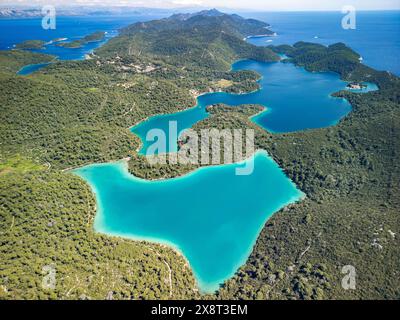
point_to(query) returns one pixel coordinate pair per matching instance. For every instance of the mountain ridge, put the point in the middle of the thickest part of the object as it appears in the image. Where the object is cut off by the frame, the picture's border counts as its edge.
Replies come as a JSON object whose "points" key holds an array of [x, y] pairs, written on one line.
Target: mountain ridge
{"points": [[219, 21], [207, 39]]}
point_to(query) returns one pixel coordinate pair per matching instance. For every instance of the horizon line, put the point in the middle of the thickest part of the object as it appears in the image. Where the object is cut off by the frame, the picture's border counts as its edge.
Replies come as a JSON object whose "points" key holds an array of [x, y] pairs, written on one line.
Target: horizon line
{"points": [[21, 6]]}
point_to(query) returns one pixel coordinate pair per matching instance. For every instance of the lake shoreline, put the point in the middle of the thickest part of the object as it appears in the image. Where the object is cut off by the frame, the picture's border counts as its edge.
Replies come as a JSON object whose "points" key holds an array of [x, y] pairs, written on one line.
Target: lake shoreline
{"points": [[204, 286], [176, 247]]}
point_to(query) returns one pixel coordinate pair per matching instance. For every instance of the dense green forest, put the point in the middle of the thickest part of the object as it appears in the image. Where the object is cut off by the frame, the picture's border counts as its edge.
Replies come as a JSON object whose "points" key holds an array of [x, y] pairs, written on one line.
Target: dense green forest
{"points": [[46, 220], [73, 113], [13, 60], [200, 42], [30, 44]]}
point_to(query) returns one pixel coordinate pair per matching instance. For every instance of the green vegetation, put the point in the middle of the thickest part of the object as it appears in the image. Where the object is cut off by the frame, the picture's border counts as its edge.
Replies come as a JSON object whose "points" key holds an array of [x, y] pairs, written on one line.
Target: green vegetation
{"points": [[337, 58], [351, 179], [18, 164], [215, 20], [70, 114], [96, 36], [222, 116], [351, 176], [76, 112], [30, 44], [72, 45], [14, 60], [46, 220], [201, 43]]}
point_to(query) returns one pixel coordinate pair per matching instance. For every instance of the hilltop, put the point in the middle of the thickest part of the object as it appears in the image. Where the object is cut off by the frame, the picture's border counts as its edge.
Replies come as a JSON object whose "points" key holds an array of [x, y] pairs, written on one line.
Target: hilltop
{"points": [[206, 39], [219, 21]]}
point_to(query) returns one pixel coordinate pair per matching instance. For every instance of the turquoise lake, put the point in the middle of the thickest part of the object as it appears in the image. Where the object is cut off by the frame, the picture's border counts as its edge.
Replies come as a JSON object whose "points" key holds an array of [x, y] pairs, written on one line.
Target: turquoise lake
{"points": [[30, 68], [212, 216], [295, 100]]}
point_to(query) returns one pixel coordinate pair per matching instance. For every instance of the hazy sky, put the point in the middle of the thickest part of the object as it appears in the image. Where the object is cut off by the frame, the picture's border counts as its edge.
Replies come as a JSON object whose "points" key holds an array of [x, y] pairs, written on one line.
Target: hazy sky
{"points": [[243, 4]]}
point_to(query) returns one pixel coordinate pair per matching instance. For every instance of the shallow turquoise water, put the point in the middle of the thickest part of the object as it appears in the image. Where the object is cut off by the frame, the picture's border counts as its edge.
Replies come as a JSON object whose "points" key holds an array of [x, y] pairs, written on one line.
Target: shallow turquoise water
{"points": [[30, 68], [295, 100], [212, 215]]}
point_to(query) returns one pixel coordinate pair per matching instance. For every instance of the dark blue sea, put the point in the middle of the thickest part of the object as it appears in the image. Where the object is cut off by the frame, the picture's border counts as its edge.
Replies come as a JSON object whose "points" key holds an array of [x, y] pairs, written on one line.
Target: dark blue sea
{"points": [[14, 31], [376, 37]]}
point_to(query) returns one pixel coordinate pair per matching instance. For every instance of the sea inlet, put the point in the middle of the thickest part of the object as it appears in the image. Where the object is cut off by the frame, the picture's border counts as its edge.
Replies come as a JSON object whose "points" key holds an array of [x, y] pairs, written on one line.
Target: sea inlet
{"points": [[213, 216]]}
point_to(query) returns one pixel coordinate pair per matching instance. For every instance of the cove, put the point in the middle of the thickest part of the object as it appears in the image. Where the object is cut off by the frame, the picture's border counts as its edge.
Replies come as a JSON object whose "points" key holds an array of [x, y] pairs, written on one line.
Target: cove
{"points": [[30, 68], [212, 216], [295, 100]]}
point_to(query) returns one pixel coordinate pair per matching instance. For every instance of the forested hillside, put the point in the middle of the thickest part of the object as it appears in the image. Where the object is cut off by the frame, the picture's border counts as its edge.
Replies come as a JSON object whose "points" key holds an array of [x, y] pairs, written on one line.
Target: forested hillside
{"points": [[69, 114], [13, 60], [72, 113], [199, 42], [351, 175]]}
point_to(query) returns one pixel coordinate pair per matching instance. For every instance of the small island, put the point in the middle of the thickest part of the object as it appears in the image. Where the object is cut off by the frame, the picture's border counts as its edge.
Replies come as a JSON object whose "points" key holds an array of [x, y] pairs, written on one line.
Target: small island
{"points": [[30, 44], [93, 37], [73, 44]]}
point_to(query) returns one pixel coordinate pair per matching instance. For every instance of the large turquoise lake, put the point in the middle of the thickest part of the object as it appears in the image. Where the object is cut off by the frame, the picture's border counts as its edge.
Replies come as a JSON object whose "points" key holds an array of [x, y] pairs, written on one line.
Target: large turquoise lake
{"points": [[295, 100], [212, 215]]}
